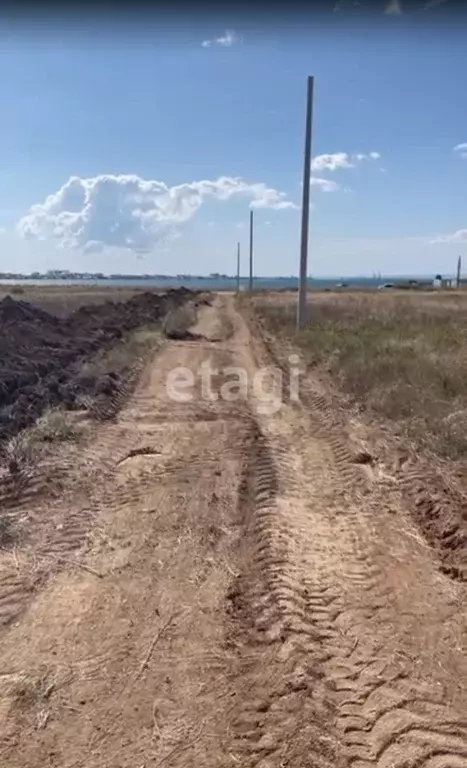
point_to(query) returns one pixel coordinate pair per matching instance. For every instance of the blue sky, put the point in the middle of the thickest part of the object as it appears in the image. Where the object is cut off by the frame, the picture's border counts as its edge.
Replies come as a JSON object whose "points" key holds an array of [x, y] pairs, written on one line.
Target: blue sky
{"points": [[168, 143]]}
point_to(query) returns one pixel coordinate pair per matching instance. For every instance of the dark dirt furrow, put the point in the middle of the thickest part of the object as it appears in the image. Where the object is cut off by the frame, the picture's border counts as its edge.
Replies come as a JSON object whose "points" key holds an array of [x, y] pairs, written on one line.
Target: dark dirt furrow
{"points": [[42, 355]]}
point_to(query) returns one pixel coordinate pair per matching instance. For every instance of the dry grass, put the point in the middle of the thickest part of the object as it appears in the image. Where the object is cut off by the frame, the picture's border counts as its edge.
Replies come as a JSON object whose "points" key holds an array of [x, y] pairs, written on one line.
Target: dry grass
{"points": [[126, 358], [28, 689], [125, 353], [54, 426], [400, 356]]}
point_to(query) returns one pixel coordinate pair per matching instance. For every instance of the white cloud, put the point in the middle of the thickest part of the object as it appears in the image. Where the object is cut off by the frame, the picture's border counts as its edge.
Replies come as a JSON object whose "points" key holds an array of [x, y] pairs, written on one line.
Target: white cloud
{"points": [[332, 162], [340, 160], [226, 40], [129, 212], [457, 237], [325, 184], [433, 4], [394, 8], [462, 150]]}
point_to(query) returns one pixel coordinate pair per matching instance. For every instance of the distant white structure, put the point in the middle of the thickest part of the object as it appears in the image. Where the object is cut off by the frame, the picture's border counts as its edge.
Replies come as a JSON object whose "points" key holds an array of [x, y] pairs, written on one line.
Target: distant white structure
{"points": [[443, 282]]}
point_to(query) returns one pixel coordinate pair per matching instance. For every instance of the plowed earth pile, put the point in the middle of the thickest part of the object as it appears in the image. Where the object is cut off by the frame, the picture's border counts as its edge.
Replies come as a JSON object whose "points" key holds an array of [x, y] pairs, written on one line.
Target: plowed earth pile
{"points": [[41, 355]]}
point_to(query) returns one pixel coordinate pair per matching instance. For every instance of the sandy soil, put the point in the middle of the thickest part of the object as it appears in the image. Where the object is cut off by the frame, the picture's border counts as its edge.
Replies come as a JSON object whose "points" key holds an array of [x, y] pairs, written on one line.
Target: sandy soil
{"points": [[207, 584]]}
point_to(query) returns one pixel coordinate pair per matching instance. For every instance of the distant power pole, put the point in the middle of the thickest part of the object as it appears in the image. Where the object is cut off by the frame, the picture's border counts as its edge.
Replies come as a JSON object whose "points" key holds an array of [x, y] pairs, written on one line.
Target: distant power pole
{"points": [[459, 267], [302, 287], [250, 285], [238, 267]]}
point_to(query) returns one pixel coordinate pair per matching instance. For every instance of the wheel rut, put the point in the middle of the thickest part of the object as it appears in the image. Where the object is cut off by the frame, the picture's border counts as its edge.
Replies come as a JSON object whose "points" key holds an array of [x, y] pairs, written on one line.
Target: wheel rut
{"points": [[324, 602], [339, 641], [287, 709]]}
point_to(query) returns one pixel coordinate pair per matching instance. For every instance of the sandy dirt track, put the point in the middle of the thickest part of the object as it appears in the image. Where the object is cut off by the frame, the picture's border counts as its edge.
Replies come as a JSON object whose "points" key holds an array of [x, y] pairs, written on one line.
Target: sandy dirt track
{"points": [[209, 585]]}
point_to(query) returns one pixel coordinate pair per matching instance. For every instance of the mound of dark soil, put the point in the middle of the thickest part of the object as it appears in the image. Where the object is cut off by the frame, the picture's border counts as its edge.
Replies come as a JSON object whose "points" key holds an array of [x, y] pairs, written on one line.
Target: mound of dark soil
{"points": [[41, 355]]}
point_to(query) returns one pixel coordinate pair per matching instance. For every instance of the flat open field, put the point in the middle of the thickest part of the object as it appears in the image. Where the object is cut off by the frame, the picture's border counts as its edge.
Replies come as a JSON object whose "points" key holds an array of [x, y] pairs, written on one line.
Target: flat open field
{"points": [[229, 575], [401, 356]]}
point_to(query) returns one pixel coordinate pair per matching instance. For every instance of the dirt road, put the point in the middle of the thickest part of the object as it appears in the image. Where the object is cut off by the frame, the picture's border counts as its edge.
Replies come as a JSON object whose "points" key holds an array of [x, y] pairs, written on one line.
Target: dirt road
{"points": [[207, 584]]}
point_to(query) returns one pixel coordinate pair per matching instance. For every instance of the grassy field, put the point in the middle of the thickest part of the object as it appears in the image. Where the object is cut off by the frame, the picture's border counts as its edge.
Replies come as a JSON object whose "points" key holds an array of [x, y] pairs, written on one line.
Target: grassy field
{"points": [[400, 356]]}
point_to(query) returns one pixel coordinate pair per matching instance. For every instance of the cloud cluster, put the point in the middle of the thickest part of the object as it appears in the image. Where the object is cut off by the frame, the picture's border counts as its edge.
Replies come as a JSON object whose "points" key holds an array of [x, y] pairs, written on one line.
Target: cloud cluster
{"points": [[226, 40], [341, 160], [461, 150], [325, 184], [127, 211], [457, 237]]}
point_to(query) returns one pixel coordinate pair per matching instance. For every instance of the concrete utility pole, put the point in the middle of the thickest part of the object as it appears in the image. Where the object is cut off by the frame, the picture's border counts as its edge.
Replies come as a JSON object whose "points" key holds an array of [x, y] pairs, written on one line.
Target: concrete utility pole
{"points": [[459, 267], [250, 284], [302, 287], [238, 267]]}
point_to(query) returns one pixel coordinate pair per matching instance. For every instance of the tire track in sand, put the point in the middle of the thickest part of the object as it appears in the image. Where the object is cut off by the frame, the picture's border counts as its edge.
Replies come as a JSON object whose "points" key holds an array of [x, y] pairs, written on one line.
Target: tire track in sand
{"points": [[324, 669], [62, 490], [322, 596], [284, 709]]}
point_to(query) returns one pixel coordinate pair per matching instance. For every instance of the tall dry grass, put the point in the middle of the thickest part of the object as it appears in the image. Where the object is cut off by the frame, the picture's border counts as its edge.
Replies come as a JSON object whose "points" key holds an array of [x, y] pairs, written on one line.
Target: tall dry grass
{"points": [[400, 356]]}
